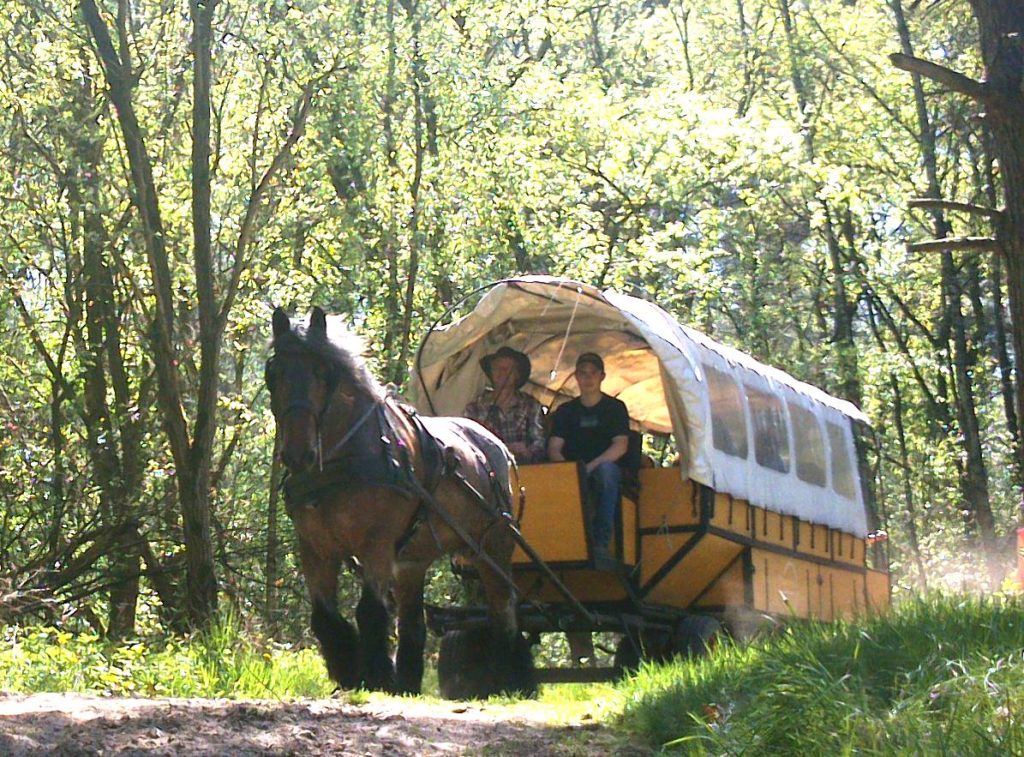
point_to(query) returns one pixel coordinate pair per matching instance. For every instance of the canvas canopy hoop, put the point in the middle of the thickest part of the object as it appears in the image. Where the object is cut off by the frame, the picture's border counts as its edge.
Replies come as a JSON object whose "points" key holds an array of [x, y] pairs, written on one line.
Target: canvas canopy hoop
{"points": [[742, 427]]}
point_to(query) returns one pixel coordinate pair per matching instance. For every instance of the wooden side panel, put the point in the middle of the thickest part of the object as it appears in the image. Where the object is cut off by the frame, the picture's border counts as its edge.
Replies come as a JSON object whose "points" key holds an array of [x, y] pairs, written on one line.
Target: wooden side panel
{"points": [[658, 549], [553, 518], [785, 585], [731, 515], [847, 548], [666, 499], [848, 594], [586, 585], [695, 572], [813, 539], [821, 593], [629, 528], [728, 590]]}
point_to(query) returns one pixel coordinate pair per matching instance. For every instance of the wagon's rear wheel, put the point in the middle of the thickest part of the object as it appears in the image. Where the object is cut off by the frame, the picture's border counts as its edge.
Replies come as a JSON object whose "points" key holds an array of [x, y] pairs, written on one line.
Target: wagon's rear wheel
{"points": [[696, 635], [472, 665]]}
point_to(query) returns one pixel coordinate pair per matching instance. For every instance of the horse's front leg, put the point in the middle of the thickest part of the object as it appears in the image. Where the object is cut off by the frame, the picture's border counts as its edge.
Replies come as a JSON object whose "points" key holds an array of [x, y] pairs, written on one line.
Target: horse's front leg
{"points": [[377, 672], [412, 627], [338, 639]]}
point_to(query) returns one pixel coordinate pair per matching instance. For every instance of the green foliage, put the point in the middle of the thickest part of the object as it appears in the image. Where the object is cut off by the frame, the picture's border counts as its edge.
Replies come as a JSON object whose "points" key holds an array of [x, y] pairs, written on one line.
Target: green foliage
{"points": [[939, 675], [746, 178], [219, 662]]}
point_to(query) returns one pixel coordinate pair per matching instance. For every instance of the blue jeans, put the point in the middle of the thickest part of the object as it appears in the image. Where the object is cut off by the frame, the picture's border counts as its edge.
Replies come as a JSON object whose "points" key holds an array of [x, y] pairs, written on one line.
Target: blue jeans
{"points": [[604, 485]]}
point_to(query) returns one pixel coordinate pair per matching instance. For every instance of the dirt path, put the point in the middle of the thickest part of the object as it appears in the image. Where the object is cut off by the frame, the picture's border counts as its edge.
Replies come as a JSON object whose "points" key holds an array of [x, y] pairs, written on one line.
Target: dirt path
{"points": [[67, 724]]}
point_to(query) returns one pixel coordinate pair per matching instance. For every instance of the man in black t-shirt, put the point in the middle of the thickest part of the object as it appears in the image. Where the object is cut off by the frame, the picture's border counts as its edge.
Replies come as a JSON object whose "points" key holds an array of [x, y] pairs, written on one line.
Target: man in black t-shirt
{"points": [[594, 429]]}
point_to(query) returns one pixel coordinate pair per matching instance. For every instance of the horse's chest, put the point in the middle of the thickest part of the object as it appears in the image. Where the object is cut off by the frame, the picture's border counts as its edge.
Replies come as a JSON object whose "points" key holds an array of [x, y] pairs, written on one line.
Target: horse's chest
{"points": [[353, 523]]}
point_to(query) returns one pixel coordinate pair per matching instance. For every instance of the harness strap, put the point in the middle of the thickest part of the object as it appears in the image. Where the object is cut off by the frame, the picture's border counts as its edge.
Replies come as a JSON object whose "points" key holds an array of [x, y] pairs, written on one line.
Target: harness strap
{"points": [[435, 467], [352, 430]]}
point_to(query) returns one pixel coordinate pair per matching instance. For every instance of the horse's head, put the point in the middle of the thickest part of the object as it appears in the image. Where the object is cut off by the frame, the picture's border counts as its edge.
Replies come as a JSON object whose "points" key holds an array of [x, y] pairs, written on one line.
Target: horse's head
{"points": [[301, 379]]}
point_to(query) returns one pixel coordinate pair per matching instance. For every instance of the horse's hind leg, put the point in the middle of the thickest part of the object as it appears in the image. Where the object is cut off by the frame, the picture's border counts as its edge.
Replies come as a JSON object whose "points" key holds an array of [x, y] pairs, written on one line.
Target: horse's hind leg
{"points": [[338, 639], [412, 627], [377, 670]]}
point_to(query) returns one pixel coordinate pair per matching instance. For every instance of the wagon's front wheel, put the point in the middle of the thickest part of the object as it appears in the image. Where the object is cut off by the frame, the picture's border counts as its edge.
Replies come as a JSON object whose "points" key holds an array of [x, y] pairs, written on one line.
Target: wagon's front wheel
{"points": [[471, 664], [627, 655]]}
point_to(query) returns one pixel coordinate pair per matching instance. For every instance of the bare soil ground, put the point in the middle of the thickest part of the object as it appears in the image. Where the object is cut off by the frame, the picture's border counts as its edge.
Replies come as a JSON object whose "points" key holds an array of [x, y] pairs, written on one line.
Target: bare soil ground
{"points": [[69, 724]]}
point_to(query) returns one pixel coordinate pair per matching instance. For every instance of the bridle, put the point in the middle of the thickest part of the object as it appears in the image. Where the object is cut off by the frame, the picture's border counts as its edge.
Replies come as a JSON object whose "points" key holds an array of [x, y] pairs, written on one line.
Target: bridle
{"points": [[299, 400]]}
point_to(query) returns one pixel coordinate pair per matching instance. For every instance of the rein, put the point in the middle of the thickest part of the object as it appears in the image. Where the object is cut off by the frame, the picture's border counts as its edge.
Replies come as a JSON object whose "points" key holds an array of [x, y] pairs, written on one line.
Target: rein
{"points": [[348, 434]]}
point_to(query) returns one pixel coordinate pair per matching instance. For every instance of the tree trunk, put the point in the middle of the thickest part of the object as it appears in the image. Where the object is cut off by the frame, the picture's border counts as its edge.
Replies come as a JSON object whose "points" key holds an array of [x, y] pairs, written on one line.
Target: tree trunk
{"points": [[419, 85], [193, 493], [270, 586], [908, 490], [195, 483], [974, 474], [1001, 29]]}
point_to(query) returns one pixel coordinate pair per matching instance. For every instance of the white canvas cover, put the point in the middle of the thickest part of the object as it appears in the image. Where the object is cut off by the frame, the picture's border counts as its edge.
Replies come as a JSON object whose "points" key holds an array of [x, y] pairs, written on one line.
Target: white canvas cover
{"points": [[742, 427]]}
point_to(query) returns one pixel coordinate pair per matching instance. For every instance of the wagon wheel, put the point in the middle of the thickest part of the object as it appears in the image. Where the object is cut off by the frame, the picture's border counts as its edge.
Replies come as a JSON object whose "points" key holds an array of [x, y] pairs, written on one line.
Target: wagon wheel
{"points": [[627, 655], [470, 665], [696, 635], [648, 645]]}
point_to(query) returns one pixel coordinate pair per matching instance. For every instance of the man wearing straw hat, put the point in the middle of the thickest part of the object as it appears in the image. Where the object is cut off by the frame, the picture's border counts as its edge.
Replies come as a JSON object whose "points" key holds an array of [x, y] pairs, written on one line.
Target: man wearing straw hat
{"points": [[513, 415]]}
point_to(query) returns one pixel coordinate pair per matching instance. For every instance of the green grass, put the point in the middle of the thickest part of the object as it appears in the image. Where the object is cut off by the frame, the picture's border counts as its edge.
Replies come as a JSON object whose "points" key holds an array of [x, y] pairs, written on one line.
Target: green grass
{"points": [[937, 676], [220, 662]]}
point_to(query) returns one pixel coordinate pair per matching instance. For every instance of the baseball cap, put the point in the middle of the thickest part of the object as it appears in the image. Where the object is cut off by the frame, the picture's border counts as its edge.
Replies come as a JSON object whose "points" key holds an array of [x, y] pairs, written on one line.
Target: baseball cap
{"points": [[590, 357]]}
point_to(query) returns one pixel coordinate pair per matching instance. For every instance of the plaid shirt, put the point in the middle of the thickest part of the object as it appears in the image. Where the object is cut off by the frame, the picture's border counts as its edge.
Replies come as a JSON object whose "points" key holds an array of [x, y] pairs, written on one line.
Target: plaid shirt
{"points": [[521, 422]]}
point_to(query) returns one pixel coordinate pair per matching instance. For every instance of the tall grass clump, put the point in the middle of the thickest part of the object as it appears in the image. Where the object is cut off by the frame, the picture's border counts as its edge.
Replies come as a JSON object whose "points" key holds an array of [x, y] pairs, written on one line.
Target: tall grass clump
{"points": [[938, 675], [221, 661]]}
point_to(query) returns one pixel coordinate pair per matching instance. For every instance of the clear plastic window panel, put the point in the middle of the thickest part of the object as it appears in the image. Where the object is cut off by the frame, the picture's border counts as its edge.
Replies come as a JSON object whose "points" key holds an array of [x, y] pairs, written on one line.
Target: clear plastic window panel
{"points": [[842, 467], [809, 446], [728, 425], [771, 437]]}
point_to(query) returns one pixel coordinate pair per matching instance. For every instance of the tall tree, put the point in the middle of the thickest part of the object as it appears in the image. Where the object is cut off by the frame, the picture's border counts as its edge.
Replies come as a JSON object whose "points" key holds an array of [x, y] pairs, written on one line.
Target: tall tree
{"points": [[1000, 97], [191, 444]]}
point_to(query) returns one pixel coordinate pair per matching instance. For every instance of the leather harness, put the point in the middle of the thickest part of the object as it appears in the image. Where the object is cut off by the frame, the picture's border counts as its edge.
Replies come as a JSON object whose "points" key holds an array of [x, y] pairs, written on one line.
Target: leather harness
{"points": [[392, 468]]}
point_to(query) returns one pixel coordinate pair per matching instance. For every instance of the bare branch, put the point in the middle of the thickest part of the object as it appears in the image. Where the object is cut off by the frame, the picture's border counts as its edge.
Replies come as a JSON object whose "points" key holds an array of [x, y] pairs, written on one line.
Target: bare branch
{"points": [[947, 77], [928, 203], [954, 243]]}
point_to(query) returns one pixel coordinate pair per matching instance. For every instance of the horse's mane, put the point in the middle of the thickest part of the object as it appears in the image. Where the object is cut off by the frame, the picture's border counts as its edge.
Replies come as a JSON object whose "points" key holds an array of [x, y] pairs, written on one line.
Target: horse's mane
{"points": [[341, 349]]}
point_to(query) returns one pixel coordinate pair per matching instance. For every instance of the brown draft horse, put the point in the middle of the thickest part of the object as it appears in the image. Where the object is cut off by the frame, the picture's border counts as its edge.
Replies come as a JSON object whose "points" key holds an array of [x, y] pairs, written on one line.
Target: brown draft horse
{"points": [[372, 485]]}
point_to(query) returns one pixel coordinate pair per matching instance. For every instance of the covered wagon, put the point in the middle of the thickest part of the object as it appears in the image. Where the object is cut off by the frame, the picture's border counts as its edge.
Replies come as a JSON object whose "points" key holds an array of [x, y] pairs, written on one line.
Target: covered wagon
{"points": [[756, 506]]}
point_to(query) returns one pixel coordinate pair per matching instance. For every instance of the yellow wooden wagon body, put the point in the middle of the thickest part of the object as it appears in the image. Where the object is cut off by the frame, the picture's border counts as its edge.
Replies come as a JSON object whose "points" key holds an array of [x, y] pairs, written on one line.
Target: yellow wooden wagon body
{"points": [[684, 546]]}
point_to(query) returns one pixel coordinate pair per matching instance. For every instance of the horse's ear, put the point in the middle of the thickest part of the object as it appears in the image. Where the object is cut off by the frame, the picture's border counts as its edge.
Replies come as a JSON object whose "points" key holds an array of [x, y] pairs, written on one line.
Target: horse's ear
{"points": [[281, 323], [318, 322]]}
